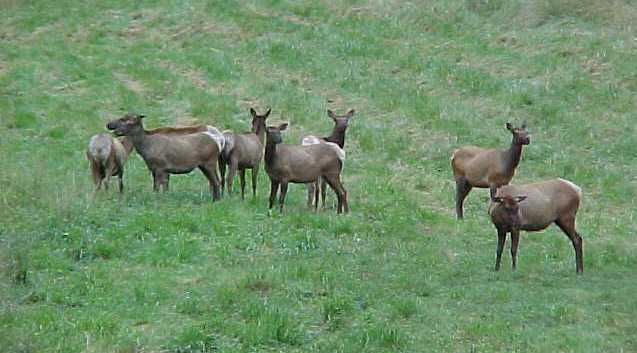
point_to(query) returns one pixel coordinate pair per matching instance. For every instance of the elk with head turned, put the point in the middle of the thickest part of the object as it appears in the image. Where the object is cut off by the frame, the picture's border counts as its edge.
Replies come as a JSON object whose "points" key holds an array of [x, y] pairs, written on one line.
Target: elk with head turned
{"points": [[486, 168], [533, 207], [167, 154], [341, 122], [302, 164], [243, 151]]}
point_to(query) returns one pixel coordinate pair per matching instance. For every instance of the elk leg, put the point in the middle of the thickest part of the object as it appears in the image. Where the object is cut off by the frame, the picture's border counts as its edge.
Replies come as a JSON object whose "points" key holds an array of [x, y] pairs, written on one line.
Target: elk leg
{"points": [[311, 187], [567, 225], [515, 238], [323, 186], [284, 190], [121, 182], [493, 190], [231, 172], [502, 236], [165, 182], [155, 182], [316, 196], [462, 190], [341, 194], [213, 180], [274, 187], [222, 171], [255, 174], [242, 178]]}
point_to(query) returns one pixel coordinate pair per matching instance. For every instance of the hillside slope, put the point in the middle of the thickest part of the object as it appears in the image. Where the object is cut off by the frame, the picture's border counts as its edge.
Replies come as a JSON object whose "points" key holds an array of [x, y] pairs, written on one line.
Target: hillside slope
{"points": [[174, 272]]}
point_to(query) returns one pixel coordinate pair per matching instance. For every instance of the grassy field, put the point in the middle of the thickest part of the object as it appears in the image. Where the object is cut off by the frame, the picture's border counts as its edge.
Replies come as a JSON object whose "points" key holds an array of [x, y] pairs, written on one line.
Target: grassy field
{"points": [[175, 272]]}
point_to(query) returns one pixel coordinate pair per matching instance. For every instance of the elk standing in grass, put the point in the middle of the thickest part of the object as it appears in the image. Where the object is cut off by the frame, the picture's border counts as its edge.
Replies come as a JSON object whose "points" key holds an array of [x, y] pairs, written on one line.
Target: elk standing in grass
{"points": [[338, 137], [107, 156], [167, 154], [243, 151], [302, 164], [533, 207], [486, 168]]}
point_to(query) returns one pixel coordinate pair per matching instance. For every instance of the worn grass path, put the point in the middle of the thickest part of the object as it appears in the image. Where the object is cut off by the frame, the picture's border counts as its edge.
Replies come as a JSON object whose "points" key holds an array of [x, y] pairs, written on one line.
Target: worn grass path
{"points": [[174, 272]]}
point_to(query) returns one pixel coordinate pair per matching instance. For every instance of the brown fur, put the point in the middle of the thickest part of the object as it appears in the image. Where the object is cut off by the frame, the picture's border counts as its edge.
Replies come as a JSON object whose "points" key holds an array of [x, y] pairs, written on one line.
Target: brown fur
{"points": [[301, 164], [167, 154], [245, 152], [337, 136], [486, 168], [533, 207], [107, 156], [182, 130]]}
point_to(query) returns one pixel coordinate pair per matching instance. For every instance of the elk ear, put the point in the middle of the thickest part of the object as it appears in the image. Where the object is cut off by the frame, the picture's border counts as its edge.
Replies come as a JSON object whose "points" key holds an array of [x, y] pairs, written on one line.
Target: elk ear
{"points": [[509, 126], [267, 113], [331, 114], [524, 125], [520, 198], [253, 112], [283, 126], [350, 113]]}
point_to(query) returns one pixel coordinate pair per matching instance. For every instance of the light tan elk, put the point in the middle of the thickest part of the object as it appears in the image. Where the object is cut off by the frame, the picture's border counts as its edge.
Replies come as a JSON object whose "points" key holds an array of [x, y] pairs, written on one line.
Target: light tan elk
{"points": [[243, 151], [533, 207], [486, 168], [341, 123], [107, 156], [167, 154], [302, 164]]}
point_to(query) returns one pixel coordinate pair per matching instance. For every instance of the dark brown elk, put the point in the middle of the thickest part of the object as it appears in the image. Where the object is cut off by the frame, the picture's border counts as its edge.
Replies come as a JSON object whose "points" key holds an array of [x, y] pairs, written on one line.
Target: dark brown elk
{"points": [[243, 151], [107, 156], [167, 154], [533, 207], [302, 164], [341, 122], [486, 168]]}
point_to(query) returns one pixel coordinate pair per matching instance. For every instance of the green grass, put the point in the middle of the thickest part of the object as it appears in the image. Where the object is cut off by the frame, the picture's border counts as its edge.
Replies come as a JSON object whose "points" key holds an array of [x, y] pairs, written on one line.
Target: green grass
{"points": [[176, 273]]}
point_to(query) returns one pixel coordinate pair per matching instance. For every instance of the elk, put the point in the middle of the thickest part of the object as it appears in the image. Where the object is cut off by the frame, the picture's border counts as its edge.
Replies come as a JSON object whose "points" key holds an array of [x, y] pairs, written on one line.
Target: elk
{"points": [[486, 168], [107, 156], [533, 207], [243, 151], [302, 164], [338, 137], [167, 154]]}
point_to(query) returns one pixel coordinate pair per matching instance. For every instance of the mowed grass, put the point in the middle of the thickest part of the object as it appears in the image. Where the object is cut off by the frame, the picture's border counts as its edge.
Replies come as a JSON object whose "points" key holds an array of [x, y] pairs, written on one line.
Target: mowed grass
{"points": [[175, 272]]}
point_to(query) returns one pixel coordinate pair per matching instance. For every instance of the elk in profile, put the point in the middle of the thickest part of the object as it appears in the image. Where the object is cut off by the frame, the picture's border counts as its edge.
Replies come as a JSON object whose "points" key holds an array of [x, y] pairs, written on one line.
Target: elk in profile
{"points": [[302, 164], [167, 154], [107, 156], [486, 168], [533, 207], [243, 151], [338, 137]]}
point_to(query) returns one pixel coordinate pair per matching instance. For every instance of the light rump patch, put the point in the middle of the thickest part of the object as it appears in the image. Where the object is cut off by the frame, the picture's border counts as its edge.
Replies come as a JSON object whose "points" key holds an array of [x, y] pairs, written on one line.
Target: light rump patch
{"points": [[310, 140], [577, 189], [217, 136], [340, 153]]}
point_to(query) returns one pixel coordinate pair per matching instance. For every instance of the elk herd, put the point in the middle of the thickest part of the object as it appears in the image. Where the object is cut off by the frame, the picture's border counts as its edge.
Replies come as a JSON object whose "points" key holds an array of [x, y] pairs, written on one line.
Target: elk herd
{"points": [[318, 162]]}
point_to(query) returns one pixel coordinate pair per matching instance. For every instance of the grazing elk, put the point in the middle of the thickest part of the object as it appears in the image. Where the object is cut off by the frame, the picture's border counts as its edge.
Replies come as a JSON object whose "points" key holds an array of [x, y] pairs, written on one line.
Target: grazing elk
{"points": [[302, 164], [338, 137], [533, 207], [243, 151], [486, 168], [107, 156], [167, 154]]}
